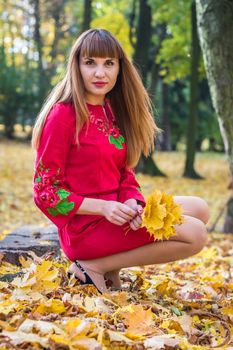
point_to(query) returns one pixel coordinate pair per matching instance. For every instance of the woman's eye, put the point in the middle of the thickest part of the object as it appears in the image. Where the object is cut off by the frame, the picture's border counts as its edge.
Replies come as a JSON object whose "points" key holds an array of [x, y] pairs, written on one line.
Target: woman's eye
{"points": [[110, 63], [89, 62]]}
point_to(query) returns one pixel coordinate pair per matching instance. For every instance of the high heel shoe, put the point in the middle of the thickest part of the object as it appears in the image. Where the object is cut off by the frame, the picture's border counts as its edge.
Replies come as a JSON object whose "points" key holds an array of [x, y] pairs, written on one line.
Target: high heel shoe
{"points": [[88, 279]]}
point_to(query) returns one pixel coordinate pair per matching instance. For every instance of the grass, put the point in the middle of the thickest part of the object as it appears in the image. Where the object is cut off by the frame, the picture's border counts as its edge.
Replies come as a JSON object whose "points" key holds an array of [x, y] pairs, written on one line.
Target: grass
{"points": [[179, 305], [17, 161]]}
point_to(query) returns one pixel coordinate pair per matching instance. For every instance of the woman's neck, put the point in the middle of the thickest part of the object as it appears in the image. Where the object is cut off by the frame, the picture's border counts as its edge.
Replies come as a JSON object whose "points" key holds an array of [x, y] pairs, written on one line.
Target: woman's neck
{"points": [[95, 100]]}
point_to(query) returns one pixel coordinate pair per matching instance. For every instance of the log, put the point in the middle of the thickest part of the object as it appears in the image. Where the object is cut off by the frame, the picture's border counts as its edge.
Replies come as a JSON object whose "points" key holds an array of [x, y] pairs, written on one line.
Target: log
{"points": [[26, 238]]}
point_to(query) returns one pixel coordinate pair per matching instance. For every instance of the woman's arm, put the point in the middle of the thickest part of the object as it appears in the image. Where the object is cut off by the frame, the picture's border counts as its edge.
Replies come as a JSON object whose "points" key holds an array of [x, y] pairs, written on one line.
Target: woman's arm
{"points": [[115, 212], [92, 206], [129, 187], [50, 191]]}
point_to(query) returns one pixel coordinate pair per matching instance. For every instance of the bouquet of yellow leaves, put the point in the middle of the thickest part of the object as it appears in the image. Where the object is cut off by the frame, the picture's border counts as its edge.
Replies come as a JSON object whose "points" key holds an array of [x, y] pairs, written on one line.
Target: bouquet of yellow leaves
{"points": [[160, 215]]}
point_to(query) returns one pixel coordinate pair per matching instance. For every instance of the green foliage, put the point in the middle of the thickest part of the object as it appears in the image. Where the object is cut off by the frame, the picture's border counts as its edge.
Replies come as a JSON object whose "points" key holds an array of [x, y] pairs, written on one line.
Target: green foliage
{"points": [[16, 94], [18, 97], [20, 76], [109, 15], [174, 56], [178, 109]]}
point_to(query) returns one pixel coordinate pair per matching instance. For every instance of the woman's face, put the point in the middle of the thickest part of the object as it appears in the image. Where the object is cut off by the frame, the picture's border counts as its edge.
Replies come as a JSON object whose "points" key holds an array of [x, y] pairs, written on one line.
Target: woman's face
{"points": [[99, 76]]}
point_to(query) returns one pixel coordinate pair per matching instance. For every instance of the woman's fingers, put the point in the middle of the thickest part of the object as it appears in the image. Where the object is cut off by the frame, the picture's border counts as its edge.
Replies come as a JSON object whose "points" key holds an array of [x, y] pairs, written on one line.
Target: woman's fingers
{"points": [[127, 213], [118, 220], [139, 209], [135, 224], [132, 226], [125, 217], [137, 220], [122, 219], [119, 213]]}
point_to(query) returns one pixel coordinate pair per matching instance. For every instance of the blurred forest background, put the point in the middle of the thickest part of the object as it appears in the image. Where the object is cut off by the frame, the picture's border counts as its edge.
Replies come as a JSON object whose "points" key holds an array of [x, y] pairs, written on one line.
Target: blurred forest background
{"points": [[36, 37], [161, 37], [183, 51]]}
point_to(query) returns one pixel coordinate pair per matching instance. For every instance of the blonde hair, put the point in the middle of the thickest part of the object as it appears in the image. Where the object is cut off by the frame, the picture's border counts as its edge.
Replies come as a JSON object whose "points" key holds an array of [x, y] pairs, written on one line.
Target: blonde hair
{"points": [[128, 98]]}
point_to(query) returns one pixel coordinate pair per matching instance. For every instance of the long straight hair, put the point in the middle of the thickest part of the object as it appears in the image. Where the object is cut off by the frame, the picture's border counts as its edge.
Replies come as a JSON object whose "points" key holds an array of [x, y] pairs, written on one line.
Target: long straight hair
{"points": [[129, 99]]}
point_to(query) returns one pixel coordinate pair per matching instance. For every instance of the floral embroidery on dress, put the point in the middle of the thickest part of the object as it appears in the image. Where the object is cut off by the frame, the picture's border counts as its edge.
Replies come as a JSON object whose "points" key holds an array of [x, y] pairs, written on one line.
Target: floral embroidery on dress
{"points": [[113, 132], [47, 189]]}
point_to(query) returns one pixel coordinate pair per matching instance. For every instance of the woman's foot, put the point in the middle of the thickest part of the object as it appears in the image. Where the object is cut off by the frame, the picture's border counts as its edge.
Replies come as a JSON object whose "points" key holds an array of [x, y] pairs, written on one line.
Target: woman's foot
{"points": [[114, 277], [96, 277]]}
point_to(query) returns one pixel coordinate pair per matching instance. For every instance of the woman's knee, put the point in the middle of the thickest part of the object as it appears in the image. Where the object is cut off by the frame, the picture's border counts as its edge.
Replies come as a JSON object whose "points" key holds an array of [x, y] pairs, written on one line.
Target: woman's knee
{"points": [[202, 209], [200, 235], [193, 232], [196, 207]]}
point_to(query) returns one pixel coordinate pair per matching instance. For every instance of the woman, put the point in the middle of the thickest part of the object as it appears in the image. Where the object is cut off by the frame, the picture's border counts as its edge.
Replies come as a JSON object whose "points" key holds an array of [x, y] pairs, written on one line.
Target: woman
{"points": [[89, 136]]}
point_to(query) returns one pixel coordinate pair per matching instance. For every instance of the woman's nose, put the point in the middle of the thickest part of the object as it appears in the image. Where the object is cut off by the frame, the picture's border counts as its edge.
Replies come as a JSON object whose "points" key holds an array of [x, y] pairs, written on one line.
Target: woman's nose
{"points": [[99, 72]]}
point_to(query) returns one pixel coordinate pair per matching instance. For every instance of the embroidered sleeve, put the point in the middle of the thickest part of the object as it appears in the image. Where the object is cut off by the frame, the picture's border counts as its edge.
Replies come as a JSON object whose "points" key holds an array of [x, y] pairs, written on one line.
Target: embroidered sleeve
{"points": [[51, 193], [129, 187]]}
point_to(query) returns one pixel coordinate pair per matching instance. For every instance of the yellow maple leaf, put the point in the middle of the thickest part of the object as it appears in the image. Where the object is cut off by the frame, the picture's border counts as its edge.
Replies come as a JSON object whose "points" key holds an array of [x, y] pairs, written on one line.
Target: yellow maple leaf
{"points": [[3, 234], [43, 327], [24, 262], [40, 277], [160, 215], [7, 306], [119, 298], [19, 337], [51, 306], [139, 321], [172, 326], [154, 212], [107, 338], [77, 335]]}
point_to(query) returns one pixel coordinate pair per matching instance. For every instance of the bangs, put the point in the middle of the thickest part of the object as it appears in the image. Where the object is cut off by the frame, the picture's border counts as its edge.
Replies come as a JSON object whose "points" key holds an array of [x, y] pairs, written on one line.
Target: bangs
{"points": [[100, 43]]}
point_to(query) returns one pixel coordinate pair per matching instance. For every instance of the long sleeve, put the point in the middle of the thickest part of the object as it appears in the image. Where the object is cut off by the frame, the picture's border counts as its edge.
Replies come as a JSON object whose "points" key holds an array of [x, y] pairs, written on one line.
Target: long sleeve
{"points": [[51, 193], [129, 187]]}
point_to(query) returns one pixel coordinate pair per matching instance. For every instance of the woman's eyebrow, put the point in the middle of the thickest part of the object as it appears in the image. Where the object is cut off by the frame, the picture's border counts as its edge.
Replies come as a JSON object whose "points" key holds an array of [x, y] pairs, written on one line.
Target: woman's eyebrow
{"points": [[92, 58]]}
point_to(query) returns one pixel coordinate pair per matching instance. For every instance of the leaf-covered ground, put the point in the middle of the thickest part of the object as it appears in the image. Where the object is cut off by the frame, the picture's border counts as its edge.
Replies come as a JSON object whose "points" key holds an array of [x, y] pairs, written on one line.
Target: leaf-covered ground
{"points": [[182, 305]]}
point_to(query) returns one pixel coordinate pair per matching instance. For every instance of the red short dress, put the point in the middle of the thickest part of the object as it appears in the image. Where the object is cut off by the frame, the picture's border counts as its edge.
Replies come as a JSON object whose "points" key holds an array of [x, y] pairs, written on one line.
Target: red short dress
{"points": [[65, 174]]}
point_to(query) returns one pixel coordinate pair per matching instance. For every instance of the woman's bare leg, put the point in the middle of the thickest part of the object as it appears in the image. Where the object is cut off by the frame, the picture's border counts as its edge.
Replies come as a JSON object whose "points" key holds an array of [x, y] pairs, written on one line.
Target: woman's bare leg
{"points": [[192, 206], [190, 239], [114, 277]]}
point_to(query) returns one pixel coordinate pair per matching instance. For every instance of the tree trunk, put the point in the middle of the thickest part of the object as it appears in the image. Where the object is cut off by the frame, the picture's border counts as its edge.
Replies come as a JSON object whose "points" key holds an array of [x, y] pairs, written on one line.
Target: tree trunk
{"points": [[165, 143], [189, 170], [154, 81], [141, 58], [141, 54], [160, 32], [87, 15], [7, 85], [9, 122], [215, 27], [56, 12], [148, 166], [39, 46], [132, 17]]}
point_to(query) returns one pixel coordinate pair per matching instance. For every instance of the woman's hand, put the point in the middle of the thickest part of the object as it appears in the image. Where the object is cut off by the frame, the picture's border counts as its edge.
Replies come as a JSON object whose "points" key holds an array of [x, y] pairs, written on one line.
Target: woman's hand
{"points": [[136, 222], [118, 213]]}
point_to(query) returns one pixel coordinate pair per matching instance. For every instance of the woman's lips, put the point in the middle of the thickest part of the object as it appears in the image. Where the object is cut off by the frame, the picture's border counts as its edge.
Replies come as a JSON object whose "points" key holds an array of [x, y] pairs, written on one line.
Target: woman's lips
{"points": [[100, 84]]}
